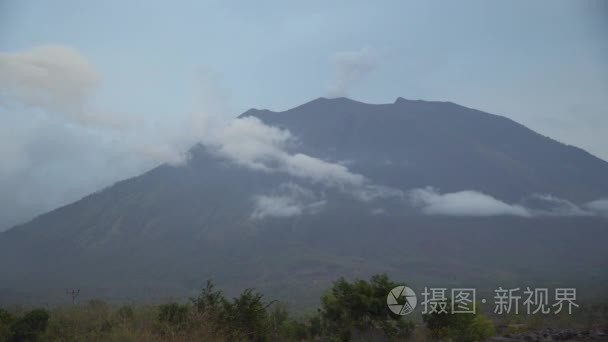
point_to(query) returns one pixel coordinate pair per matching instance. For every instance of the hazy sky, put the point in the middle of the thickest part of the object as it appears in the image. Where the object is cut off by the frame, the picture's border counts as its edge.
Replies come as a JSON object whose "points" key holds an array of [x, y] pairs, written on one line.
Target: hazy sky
{"points": [[92, 92]]}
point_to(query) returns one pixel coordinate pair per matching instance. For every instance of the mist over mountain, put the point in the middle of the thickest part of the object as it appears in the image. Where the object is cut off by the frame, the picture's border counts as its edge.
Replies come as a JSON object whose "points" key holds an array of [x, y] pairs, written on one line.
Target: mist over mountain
{"points": [[432, 192]]}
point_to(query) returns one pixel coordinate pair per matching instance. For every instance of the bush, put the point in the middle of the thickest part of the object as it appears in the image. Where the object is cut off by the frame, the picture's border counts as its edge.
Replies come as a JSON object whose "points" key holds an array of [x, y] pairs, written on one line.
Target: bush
{"points": [[6, 320], [360, 308], [126, 313], [464, 327], [30, 326], [174, 315], [481, 328]]}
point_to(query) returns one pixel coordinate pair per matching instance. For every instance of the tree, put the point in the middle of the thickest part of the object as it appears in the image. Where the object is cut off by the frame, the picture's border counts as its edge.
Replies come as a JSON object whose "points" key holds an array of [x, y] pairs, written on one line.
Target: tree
{"points": [[360, 308], [283, 327], [243, 318], [209, 301], [247, 316]]}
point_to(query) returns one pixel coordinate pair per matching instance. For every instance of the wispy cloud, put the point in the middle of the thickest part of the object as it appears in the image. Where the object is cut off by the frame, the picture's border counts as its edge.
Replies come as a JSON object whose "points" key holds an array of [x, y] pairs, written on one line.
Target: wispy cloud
{"points": [[60, 145], [288, 200], [56, 79], [550, 205], [351, 68]]}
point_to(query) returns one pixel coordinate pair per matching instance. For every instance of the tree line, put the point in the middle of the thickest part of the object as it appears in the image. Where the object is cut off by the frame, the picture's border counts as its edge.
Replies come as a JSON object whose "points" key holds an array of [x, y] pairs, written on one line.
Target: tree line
{"points": [[349, 310]]}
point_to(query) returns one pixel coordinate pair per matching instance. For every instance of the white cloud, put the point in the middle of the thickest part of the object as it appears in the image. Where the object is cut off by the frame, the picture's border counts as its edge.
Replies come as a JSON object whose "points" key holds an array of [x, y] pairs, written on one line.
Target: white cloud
{"points": [[599, 206], [474, 203], [251, 143], [463, 203], [549, 205], [288, 200], [320, 171], [350, 68]]}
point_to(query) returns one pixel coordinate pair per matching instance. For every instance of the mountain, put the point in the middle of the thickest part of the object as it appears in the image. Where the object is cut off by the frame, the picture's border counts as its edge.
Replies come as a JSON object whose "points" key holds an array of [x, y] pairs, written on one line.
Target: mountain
{"points": [[325, 191]]}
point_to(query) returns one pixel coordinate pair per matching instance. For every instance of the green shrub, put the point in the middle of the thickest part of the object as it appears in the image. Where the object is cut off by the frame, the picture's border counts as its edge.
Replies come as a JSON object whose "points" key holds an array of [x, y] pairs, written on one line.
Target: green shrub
{"points": [[360, 307], [174, 315], [465, 327], [126, 313], [29, 327], [6, 320]]}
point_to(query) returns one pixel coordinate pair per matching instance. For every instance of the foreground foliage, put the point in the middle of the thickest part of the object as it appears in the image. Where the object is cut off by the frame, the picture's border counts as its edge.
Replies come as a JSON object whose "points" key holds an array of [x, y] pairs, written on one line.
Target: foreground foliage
{"points": [[354, 310], [458, 327], [359, 308], [26, 328]]}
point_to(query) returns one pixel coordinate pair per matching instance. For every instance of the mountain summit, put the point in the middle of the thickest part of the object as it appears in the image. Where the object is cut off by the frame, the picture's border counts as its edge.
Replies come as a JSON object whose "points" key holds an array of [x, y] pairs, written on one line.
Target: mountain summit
{"points": [[431, 192]]}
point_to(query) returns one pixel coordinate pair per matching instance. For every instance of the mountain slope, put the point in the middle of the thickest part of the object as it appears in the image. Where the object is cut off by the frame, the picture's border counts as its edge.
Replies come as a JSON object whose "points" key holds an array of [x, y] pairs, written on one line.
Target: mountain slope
{"points": [[165, 232]]}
